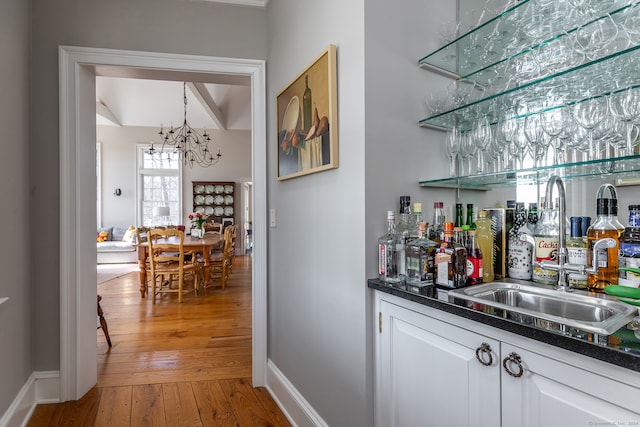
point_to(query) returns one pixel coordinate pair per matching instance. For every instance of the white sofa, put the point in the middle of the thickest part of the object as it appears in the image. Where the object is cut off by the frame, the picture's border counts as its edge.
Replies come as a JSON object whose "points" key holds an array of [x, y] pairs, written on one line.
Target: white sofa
{"points": [[115, 250]]}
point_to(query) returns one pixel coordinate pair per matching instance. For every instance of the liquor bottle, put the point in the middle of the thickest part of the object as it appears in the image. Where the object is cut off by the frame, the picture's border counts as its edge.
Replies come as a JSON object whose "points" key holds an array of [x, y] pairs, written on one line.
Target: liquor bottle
{"points": [[459, 221], [450, 261], [532, 217], [403, 225], [470, 219], [546, 238], [465, 235], [388, 252], [460, 258], [520, 251], [485, 238], [605, 225], [416, 219], [436, 229], [577, 254], [474, 260], [306, 106], [420, 256], [630, 250]]}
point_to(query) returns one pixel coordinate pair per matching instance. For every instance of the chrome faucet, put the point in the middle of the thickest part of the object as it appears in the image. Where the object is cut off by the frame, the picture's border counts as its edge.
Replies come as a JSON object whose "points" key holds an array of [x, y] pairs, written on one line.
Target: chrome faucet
{"points": [[561, 266]]}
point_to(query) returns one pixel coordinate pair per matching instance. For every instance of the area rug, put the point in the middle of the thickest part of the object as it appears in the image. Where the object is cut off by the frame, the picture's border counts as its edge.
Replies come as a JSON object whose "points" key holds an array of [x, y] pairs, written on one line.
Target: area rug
{"points": [[108, 272]]}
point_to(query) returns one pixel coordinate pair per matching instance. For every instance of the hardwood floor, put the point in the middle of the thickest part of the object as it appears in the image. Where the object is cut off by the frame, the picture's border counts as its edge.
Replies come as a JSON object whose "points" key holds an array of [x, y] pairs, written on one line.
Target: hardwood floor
{"points": [[172, 364]]}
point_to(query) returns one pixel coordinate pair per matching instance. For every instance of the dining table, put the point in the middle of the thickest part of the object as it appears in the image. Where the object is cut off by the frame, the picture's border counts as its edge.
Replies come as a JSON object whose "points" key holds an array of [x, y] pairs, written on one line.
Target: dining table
{"points": [[200, 245]]}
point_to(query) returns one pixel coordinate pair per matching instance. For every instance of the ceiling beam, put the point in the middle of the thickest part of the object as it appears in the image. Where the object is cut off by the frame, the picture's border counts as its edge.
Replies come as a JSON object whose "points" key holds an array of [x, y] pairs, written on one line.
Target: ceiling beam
{"points": [[202, 94], [104, 112]]}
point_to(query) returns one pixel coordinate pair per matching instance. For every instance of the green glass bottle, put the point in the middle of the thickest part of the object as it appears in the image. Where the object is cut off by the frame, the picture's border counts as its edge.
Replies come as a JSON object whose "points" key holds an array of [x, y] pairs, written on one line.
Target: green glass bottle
{"points": [[306, 105]]}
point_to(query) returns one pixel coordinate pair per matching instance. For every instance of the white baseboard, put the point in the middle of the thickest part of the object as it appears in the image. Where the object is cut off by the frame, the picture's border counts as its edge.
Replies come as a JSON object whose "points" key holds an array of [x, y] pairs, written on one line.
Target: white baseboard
{"points": [[41, 387], [299, 412]]}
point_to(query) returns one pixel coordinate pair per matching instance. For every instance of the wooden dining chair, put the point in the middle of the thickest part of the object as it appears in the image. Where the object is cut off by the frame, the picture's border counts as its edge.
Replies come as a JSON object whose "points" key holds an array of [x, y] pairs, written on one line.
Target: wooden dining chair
{"points": [[220, 261], [169, 263], [213, 227]]}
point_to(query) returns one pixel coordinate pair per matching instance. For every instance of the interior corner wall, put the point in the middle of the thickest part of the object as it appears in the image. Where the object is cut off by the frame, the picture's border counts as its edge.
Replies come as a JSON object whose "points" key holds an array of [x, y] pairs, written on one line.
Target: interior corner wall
{"points": [[17, 219], [318, 299], [214, 30]]}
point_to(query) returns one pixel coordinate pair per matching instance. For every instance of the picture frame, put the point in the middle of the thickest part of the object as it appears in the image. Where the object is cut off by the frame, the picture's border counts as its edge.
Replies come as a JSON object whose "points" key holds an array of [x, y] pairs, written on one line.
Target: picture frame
{"points": [[226, 222], [307, 120]]}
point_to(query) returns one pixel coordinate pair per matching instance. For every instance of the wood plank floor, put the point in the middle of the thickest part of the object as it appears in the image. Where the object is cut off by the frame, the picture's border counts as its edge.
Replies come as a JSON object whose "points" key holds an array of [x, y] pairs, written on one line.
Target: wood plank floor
{"points": [[172, 364]]}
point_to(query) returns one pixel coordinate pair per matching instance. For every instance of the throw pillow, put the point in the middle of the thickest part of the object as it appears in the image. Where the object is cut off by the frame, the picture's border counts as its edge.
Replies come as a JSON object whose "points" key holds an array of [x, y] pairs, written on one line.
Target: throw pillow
{"points": [[102, 236], [128, 235]]}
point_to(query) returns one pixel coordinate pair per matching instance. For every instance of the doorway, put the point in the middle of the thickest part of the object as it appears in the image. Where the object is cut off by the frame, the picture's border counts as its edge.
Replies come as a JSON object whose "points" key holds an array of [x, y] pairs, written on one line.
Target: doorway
{"points": [[78, 194]]}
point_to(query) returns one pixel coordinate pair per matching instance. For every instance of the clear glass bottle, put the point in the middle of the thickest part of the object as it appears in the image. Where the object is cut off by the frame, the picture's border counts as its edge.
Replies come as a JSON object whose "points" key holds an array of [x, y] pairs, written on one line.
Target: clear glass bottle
{"points": [[520, 251], [388, 252], [485, 237], [546, 236], [630, 250], [450, 261], [605, 225], [420, 259], [436, 229], [403, 225], [474, 260], [416, 219], [577, 253]]}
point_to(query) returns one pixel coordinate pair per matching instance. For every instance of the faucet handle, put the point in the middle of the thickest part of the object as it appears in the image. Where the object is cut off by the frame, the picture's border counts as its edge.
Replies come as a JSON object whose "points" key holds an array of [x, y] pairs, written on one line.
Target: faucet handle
{"points": [[598, 246]]}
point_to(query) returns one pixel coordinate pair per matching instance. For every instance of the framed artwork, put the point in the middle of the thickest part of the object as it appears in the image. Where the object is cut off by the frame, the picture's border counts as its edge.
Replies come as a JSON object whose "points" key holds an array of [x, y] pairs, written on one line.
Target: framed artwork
{"points": [[226, 222], [307, 120]]}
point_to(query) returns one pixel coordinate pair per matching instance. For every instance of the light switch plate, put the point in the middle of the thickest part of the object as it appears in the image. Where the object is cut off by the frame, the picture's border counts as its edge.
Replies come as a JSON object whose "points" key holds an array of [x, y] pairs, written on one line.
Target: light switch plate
{"points": [[272, 217]]}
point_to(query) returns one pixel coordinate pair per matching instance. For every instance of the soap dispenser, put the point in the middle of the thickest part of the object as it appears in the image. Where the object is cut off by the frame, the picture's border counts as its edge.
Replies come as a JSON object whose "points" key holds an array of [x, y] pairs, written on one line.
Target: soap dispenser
{"points": [[605, 225]]}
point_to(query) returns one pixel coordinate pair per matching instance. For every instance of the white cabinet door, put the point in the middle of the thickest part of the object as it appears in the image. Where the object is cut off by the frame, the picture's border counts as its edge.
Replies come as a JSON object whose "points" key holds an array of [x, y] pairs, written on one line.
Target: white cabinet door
{"points": [[552, 393], [428, 373]]}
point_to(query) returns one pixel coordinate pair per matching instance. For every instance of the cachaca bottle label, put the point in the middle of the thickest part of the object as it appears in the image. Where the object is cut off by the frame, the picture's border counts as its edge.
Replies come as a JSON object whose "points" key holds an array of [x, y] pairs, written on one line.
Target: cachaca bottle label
{"points": [[546, 250]]}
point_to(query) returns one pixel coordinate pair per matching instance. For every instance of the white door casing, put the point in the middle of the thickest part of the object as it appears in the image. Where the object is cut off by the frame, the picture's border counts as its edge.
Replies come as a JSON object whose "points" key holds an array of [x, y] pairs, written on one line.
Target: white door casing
{"points": [[78, 363]]}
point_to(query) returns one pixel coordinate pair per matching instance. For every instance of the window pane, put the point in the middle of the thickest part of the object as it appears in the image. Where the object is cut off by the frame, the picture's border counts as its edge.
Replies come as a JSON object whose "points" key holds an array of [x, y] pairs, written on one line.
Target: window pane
{"points": [[160, 191], [158, 160]]}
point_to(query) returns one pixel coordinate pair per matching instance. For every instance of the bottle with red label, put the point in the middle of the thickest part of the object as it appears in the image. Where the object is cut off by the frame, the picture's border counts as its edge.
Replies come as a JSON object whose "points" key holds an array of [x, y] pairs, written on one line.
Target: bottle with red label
{"points": [[474, 260], [546, 237]]}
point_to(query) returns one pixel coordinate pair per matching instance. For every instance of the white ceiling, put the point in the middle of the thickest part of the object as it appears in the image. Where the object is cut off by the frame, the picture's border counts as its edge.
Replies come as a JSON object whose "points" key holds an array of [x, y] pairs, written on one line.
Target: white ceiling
{"points": [[143, 102]]}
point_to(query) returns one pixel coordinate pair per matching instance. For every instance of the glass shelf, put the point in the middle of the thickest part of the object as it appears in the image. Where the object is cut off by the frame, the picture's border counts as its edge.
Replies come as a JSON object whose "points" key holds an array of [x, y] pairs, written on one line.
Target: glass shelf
{"points": [[594, 79], [519, 30], [620, 167]]}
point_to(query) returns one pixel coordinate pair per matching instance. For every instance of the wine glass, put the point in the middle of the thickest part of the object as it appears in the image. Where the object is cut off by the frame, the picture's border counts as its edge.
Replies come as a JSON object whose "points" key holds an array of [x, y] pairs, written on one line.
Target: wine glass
{"points": [[588, 114], [534, 136], [452, 147], [625, 107], [552, 122], [481, 137]]}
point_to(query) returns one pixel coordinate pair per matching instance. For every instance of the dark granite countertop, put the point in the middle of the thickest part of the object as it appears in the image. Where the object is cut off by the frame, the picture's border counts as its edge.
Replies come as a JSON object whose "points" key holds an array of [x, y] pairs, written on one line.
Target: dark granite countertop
{"points": [[621, 348]]}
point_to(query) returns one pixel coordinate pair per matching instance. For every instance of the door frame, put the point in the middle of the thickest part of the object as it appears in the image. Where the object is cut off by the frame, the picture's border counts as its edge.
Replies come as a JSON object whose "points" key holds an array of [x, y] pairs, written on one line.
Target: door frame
{"points": [[78, 359]]}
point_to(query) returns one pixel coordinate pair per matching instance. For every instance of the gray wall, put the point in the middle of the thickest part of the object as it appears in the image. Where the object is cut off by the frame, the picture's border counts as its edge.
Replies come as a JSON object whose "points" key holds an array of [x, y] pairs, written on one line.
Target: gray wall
{"points": [[119, 170], [317, 291], [15, 324], [173, 26]]}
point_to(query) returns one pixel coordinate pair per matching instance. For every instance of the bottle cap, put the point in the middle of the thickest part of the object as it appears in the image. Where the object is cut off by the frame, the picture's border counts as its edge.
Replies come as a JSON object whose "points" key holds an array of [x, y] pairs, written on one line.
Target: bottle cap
{"points": [[405, 202], [469, 205], [634, 207], [483, 214], [438, 204], [417, 207], [511, 204], [391, 215], [448, 226], [607, 206], [466, 227]]}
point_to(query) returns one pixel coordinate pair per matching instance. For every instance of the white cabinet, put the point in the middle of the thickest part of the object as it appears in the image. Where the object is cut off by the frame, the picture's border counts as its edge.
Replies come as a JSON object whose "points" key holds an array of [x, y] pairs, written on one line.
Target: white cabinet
{"points": [[553, 393], [428, 374]]}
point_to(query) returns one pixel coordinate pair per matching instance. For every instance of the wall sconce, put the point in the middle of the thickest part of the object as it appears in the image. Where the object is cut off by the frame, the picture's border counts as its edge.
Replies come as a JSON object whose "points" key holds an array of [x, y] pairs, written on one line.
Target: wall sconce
{"points": [[117, 192]]}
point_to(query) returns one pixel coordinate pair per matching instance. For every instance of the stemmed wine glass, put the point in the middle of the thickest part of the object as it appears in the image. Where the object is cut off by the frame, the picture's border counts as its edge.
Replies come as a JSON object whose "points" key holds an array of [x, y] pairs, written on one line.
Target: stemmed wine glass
{"points": [[507, 127], [588, 114], [481, 137], [625, 106], [533, 134], [552, 122], [452, 147]]}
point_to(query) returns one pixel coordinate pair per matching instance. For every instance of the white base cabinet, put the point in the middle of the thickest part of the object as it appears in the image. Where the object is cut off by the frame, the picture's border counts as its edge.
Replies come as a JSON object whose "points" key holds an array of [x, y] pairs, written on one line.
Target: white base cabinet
{"points": [[436, 373]]}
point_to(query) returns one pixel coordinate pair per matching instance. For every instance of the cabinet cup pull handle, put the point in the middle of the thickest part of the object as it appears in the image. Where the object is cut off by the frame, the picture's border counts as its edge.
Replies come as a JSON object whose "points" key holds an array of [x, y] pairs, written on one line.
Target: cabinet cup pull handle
{"points": [[481, 351], [513, 359]]}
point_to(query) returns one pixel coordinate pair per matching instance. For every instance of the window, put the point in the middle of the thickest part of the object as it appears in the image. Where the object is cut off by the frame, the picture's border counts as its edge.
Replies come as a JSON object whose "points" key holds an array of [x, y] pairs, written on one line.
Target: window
{"points": [[159, 176]]}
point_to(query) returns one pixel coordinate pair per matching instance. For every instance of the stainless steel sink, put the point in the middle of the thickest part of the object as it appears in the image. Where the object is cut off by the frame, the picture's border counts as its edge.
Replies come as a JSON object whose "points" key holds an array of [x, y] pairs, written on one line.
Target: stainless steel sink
{"points": [[550, 309]]}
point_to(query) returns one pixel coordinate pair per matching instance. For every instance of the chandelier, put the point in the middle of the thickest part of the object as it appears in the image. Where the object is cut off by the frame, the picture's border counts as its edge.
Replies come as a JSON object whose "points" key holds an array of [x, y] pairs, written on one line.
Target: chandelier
{"points": [[192, 146]]}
